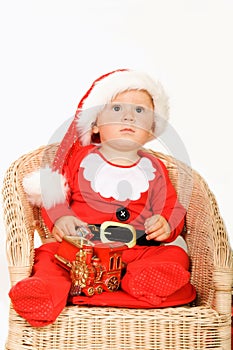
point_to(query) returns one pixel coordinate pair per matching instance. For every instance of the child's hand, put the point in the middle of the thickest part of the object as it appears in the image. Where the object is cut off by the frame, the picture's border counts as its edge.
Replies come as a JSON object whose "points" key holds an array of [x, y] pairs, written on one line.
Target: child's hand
{"points": [[157, 228], [66, 226]]}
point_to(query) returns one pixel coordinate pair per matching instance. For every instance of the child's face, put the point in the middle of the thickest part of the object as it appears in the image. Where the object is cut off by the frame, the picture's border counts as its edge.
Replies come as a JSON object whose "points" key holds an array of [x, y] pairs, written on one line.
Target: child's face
{"points": [[129, 117]]}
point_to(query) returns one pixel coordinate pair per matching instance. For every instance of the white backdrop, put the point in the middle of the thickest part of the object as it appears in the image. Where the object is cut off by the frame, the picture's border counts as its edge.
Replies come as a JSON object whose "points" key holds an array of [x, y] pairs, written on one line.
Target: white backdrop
{"points": [[52, 50]]}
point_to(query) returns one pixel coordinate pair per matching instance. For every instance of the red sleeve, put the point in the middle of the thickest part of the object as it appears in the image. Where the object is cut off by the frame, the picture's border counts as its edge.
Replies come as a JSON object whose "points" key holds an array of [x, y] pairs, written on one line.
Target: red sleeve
{"points": [[166, 203], [70, 168], [50, 216]]}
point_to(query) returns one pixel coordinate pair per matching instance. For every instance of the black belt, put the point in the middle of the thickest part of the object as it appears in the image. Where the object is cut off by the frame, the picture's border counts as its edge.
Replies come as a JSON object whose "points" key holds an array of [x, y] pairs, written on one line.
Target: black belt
{"points": [[121, 234]]}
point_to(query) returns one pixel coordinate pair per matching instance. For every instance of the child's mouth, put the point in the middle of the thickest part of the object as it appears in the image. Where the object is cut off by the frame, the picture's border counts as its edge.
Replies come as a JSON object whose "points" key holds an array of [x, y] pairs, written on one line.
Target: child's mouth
{"points": [[127, 130]]}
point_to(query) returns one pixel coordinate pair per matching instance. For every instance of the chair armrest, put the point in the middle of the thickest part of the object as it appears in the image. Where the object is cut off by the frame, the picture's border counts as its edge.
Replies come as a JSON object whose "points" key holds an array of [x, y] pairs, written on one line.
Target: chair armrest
{"points": [[206, 236], [210, 251], [18, 219]]}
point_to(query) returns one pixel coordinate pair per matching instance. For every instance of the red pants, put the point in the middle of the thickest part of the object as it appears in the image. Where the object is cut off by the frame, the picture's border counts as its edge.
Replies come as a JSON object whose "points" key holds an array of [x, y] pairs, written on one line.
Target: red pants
{"points": [[152, 274]]}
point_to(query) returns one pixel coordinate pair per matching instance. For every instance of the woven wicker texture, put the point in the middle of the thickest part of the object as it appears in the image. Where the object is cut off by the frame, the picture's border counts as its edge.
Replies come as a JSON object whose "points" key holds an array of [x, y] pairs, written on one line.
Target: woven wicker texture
{"points": [[205, 325]]}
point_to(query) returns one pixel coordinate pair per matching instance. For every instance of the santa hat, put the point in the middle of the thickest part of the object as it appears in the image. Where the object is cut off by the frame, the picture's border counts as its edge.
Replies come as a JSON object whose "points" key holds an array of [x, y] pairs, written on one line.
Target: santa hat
{"points": [[48, 186], [105, 88]]}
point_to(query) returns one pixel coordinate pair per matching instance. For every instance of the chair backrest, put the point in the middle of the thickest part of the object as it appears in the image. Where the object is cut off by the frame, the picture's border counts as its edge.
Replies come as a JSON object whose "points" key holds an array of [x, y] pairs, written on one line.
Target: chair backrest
{"points": [[205, 230]]}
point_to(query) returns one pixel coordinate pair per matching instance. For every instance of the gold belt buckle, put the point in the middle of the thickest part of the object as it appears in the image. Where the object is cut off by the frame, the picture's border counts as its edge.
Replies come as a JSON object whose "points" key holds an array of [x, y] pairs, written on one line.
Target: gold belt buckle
{"points": [[124, 229]]}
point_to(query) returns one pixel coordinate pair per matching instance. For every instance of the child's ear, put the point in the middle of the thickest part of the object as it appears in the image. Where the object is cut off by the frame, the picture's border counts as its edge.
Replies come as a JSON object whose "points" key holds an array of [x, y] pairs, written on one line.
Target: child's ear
{"points": [[152, 132]]}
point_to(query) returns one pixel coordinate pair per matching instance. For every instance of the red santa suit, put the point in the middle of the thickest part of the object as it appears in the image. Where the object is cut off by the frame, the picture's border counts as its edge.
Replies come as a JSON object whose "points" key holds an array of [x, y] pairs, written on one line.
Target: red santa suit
{"points": [[95, 190]]}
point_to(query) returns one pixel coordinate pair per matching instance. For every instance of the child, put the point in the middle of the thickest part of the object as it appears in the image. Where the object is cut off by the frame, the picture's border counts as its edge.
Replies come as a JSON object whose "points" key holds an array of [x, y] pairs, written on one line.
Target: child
{"points": [[101, 172]]}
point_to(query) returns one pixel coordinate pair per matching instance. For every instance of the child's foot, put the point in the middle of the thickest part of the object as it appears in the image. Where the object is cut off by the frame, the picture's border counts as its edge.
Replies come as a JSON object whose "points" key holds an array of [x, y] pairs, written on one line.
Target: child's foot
{"points": [[156, 282], [31, 300]]}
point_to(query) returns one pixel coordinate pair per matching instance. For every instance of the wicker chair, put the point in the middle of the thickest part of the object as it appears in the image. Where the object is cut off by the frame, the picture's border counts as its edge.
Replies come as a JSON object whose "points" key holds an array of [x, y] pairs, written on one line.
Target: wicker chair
{"points": [[203, 325]]}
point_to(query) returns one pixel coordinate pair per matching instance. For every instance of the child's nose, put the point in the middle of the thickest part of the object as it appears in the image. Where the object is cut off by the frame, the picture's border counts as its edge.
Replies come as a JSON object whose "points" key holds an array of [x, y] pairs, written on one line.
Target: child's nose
{"points": [[128, 116]]}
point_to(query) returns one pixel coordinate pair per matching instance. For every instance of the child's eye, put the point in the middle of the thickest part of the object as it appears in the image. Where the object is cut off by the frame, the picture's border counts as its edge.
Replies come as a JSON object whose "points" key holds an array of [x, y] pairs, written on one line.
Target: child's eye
{"points": [[139, 109], [116, 108]]}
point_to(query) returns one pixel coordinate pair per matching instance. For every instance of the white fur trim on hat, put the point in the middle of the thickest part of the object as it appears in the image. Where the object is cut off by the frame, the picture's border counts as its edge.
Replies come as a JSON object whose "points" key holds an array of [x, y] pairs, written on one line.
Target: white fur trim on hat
{"points": [[105, 89], [45, 187]]}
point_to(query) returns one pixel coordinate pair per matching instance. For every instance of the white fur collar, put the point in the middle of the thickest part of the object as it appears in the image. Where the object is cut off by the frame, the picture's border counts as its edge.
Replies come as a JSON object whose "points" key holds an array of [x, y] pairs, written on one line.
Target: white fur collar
{"points": [[120, 183]]}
